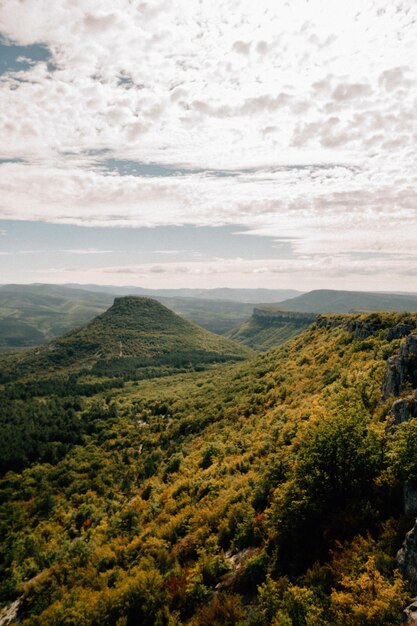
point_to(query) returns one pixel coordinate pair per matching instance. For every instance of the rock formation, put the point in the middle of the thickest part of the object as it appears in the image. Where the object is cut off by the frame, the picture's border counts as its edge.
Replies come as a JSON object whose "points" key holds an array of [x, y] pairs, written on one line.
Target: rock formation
{"points": [[410, 614], [407, 558], [401, 372]]}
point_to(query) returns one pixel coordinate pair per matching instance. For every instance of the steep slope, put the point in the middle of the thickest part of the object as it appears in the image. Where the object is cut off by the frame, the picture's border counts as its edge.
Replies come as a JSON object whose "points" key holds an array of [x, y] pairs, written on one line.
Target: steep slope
{"points": [[135, 328], [331, 301], [269, 327], [267, 492]]}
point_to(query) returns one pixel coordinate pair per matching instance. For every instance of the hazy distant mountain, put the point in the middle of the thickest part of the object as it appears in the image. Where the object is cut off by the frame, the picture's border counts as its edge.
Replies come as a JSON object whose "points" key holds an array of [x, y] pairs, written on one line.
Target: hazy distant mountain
{"points": [[223, 293], [332, 301], [33, 314]]}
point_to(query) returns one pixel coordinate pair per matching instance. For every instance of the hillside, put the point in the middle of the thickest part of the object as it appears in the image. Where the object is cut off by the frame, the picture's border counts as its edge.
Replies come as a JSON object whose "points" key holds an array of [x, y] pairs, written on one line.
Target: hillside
{"points": [[133, 333], [34, 314], [265, 492], [331, 301], [269, 327]]}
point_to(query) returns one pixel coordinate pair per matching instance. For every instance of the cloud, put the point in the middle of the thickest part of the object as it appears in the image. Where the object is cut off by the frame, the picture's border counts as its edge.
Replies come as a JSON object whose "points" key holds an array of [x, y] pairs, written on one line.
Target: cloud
{"points": [[304, 271], [289, 118], [351, 91], [393, 78], [242, 47]]}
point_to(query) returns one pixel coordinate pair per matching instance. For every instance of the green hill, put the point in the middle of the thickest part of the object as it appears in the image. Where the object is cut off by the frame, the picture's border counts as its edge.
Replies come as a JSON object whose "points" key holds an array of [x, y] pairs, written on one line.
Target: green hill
{"points": [[269, 327], [264, 492], [135, 332], [34, 314], [331, 301]]}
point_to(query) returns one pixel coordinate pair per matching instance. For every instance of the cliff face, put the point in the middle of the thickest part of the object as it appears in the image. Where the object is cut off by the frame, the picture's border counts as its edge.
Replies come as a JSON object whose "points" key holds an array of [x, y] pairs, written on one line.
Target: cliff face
{"points": [[401, 369], [410, 614], [401, 376], [284, 317], [407, 558], [270, 327]]}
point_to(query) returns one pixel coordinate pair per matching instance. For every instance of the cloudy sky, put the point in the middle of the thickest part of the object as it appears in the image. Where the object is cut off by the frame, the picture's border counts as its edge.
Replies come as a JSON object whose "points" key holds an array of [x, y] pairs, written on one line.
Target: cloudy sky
{"points": [[196, 143]]}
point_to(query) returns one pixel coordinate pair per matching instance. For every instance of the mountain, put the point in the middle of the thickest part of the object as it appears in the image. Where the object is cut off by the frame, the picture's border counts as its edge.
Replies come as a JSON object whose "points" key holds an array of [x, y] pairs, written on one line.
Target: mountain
{"points": [[134, 331], [269, 327], [331, 301], [273, 491], [34, 314]]}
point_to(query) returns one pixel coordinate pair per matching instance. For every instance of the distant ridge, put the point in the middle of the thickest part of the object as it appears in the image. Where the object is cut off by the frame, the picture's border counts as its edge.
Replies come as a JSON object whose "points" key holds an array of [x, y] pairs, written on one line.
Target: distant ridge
{"points": [[333, 301], [218, 293], [271, 326]]}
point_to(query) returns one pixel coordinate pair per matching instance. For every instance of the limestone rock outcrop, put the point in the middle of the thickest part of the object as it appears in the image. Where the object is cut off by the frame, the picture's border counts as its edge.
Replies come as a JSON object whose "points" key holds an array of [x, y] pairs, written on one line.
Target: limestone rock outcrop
{"points": [[410, 614], [407, 558], [404, 409], [401, 371]]}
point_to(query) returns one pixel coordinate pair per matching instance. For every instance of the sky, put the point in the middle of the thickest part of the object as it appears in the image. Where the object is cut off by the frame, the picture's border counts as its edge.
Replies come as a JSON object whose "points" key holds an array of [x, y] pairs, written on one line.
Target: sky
{"points": [[190, 143]]}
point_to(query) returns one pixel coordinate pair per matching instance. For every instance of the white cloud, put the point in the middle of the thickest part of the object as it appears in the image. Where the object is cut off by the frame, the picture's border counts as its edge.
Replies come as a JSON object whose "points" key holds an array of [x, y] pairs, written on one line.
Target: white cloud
{"points": [[229, 85]]}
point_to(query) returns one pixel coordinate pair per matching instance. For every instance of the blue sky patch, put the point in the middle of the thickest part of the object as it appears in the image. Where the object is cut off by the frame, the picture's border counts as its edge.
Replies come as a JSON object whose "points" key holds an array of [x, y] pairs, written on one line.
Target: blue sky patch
{"points": [[27, 248], [15, 58]]}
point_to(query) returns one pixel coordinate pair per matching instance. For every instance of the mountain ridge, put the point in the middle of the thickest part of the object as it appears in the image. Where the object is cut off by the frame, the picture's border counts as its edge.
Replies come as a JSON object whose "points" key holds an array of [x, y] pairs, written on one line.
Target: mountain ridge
{"points": [[344, 301]]}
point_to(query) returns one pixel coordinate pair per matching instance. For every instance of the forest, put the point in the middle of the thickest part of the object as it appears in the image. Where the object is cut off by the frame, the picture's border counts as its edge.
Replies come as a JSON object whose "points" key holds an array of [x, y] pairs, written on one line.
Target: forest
{"points": [[267, 491]]}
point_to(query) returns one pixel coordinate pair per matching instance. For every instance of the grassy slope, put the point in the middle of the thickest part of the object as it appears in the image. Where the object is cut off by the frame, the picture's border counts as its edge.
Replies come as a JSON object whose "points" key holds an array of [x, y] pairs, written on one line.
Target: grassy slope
{"points": [[184, 476]]}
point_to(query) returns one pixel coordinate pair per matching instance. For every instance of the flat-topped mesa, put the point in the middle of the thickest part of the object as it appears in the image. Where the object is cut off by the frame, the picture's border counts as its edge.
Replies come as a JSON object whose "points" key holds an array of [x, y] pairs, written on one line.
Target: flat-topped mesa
{"points": [[278, 316], [139, 312], [130, 303]]}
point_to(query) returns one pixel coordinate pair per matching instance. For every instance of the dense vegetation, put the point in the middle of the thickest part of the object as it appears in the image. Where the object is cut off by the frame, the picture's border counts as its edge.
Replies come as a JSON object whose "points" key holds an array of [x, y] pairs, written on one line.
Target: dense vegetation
{"points": [[265, 492]]}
